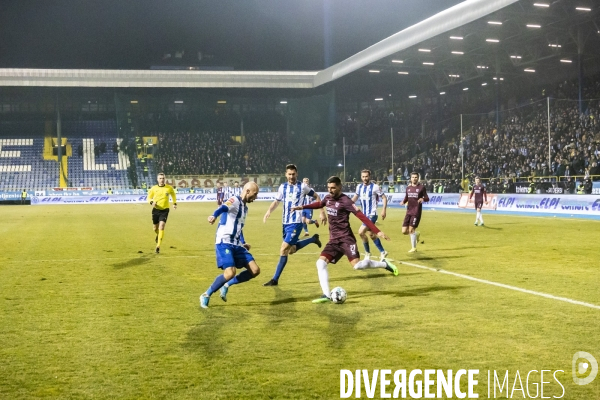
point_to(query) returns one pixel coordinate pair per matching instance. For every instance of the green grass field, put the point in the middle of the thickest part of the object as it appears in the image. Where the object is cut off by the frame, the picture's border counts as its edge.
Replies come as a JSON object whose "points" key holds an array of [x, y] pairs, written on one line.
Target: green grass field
{"points": [[89, 312]]}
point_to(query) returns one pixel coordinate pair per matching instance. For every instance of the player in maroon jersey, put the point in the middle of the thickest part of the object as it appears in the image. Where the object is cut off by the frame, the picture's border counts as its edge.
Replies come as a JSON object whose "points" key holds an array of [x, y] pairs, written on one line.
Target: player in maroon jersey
{"points": [[220, 194], [480, 197], [341, 238], [414, 198]]}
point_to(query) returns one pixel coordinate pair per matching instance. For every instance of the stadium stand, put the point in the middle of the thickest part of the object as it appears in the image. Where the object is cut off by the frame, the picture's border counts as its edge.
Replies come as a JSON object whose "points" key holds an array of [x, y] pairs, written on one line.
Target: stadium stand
{"points": [[516, 148], [203, 153], [22, 164], [99, 161]]}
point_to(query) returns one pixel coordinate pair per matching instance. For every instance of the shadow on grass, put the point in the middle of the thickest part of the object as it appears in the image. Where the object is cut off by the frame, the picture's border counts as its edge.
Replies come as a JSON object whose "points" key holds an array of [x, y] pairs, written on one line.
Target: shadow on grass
{"points": [[424, 291], [342, 324], [207, 336], [494, 229], [134, 262], [459, 248], [440, 258], [359, 276]]}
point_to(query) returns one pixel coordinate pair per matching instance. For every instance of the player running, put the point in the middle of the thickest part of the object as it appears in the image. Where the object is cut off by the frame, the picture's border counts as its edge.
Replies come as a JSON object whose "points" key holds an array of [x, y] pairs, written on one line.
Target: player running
{"points": [[307, 214], [369, 193], [292, 193], [232, 251], [341, 238], [415, 196], [159, 200], [480, 197]]}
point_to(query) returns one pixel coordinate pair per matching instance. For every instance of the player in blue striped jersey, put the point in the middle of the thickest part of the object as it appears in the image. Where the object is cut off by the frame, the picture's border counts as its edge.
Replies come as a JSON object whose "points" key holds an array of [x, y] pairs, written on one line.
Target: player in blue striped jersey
{"points": [[226, 190], [236, 190], [232, 250], [292, 194], [307, 214], [369, 194]]}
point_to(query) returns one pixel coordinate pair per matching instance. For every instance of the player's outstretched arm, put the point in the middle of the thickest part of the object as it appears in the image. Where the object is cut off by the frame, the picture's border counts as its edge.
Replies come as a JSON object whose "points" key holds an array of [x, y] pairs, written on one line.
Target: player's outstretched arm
{"points": [[382, 235], [384, 209], [212, 218], [322, 215], [365, 220], [272, 208]]}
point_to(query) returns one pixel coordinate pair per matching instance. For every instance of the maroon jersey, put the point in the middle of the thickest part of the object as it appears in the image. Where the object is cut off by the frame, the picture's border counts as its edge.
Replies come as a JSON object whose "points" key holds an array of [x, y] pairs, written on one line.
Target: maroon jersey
{"points": [[339, 211], [220, 195], [413, 194], [479, 192]]}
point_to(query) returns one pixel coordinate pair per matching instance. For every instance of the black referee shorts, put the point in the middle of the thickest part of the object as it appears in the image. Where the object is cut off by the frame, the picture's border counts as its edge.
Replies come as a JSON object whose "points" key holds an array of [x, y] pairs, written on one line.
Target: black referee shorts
{"points": [[159, 215]]}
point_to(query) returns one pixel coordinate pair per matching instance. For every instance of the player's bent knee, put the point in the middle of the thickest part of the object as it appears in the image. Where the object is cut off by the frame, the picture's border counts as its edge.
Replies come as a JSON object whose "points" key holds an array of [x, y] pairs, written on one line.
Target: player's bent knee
{"points": [[229, 273]]}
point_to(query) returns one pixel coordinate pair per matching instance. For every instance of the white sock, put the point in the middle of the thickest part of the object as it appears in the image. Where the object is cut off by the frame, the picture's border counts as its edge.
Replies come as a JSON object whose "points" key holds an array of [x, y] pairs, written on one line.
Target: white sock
{"points": [[369, 264], [323, 276], [413, 239], [478, 216]]}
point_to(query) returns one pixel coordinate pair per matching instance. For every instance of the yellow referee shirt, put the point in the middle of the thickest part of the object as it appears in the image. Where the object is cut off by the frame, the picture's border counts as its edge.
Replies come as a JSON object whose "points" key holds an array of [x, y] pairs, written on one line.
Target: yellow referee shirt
{"points": [[160, 196]]}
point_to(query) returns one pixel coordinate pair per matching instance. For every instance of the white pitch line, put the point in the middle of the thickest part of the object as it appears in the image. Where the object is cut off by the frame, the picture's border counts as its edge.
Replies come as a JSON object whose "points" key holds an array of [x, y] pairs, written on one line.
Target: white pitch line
{"points": [[502, 285]]}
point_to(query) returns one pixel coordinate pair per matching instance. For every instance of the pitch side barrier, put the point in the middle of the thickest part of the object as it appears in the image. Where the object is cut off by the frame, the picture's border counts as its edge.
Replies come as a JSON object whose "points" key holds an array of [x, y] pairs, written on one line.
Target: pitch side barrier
{"points": [[514, 203], [132, 198], [530, 203]]}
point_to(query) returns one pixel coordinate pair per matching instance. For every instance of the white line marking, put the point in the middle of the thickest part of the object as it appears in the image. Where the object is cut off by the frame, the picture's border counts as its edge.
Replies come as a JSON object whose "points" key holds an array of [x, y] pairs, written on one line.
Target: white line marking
{"points": [[502, 285]]}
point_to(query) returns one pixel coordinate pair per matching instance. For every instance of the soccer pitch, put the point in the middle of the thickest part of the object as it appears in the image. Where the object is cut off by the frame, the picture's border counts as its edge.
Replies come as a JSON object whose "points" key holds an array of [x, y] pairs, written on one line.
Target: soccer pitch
{"points": [[88, 311]]}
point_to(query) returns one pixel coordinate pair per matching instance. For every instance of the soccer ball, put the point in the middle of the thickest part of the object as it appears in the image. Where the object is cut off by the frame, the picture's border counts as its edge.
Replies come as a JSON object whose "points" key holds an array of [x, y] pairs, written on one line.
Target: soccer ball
{"points": [[338, 295]]}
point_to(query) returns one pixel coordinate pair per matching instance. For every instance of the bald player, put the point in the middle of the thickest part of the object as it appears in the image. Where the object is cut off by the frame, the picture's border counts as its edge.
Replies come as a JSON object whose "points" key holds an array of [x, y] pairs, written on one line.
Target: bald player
{"points": [[231, 248]]}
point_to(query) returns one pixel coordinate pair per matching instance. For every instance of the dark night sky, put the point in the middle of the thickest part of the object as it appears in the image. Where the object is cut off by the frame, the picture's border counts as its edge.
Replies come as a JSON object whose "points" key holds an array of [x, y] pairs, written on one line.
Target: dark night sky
{"points": [[244, 34]]}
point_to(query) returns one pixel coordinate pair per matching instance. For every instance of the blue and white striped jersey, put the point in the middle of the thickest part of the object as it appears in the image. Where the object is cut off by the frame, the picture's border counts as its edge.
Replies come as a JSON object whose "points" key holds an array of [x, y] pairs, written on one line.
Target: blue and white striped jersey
{"points": [[308, 200], [369, 196], [232, 222], [292, 196], [235, 191], [227, 192]]}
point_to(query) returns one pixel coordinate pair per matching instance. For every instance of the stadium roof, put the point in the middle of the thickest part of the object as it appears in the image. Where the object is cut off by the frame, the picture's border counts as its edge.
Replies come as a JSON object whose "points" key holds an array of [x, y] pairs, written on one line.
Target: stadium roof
{"points": [[476, 39], [529, 37], [444, 21]]}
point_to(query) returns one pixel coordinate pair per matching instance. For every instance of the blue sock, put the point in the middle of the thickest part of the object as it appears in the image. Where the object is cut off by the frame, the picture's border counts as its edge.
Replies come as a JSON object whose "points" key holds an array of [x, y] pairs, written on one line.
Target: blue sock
{"points": [[219, 281], [280, 267], [242, 277], [378, 244], [305, 227], [367, 248], [303, 243]]}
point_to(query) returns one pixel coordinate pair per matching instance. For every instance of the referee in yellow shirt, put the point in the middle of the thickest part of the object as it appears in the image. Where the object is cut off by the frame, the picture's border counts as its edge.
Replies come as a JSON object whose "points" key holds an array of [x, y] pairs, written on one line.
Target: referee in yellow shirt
{"points": [[159, 200]]}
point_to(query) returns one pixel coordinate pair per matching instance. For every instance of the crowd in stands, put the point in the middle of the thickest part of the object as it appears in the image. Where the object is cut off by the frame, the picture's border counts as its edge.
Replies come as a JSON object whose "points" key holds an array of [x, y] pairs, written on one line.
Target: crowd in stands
{"points": [[515, 148], [205, 153]]}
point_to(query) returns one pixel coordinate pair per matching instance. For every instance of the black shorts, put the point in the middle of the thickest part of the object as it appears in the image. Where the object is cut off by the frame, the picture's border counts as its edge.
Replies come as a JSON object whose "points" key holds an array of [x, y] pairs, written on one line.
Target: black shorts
{"points": [[411, 220], [333, 251], [478, 205], [159, 215]]}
